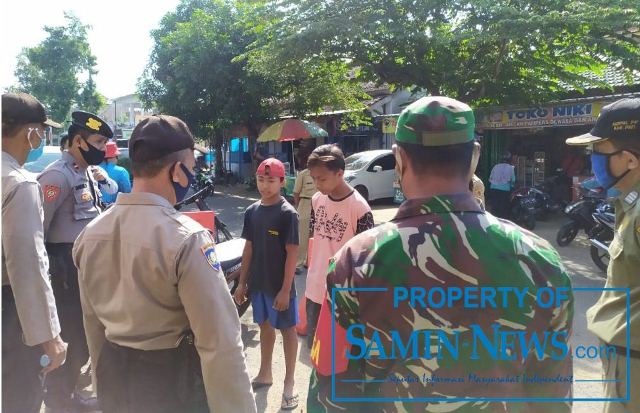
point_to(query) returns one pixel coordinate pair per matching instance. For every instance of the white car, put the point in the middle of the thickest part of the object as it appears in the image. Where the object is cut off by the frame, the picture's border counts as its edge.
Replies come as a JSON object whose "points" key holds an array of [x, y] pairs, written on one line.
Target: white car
{"points": [[50, 154], [371, 173]]}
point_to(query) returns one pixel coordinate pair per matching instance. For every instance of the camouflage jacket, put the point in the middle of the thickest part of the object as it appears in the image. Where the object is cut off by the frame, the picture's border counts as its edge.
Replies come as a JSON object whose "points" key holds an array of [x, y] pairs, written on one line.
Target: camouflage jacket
{"points": [[443, 241]]}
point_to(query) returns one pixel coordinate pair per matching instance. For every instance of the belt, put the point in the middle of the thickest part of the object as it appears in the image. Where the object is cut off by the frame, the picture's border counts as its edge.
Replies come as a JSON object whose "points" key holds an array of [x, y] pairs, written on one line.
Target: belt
{"points": [[623, 350], [305, 197]]}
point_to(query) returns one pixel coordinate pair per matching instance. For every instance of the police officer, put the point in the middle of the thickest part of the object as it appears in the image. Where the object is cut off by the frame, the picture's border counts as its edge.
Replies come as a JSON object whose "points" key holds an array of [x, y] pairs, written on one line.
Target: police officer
{"points": [[159, 316], [440, 238], [303, 190], [30, 326], [71, 200], [615, 160]]}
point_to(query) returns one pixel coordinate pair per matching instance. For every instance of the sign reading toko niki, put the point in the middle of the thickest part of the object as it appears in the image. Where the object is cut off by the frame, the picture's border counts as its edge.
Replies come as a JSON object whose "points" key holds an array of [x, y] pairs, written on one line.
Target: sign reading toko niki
{"points": [[554, 115]]}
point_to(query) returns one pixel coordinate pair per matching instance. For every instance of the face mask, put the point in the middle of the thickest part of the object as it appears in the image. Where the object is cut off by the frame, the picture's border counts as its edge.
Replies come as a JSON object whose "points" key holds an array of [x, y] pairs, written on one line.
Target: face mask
{"points": [[93, 156], [600, 166], [34, 153], [181, 191]]}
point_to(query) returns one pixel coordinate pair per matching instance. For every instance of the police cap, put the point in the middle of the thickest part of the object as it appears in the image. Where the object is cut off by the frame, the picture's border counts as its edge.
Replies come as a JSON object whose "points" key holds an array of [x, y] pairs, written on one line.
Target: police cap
{"points": [[92, 123], [158, 136]]}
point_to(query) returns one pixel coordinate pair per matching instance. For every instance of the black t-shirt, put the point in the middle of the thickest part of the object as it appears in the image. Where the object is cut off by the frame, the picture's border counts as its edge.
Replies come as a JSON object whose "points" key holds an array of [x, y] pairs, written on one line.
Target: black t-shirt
{"points": [[270, 229]]}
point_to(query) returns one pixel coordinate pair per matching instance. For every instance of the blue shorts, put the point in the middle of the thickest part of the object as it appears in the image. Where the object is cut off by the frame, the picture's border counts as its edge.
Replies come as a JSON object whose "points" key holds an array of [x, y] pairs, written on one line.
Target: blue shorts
{"points": [[263, 310]]}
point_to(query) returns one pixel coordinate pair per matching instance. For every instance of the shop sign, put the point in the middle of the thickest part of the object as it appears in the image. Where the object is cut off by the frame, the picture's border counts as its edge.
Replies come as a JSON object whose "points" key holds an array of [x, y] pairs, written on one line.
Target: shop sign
{"points": [[389, 125], [554, 115]]}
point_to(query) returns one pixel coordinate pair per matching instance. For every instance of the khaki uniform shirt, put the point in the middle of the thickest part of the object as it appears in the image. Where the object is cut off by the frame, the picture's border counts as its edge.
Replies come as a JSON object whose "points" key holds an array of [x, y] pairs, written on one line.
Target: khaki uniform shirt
{"points": [[147, 273], [71, 199], [24, 260], [304, 185], [608, 317]]}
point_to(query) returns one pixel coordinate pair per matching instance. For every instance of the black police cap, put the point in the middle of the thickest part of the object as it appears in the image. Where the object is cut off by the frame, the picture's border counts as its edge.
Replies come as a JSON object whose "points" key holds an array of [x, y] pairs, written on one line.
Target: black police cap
{"points": [[22, 108], [92, 123], [158, 136]]}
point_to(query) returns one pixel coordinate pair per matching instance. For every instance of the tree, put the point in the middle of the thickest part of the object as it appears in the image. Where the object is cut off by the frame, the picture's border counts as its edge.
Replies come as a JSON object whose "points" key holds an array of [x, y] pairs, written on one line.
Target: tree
{"points": [[480, 51], [89, 98], [198, 71], [51, 69]]}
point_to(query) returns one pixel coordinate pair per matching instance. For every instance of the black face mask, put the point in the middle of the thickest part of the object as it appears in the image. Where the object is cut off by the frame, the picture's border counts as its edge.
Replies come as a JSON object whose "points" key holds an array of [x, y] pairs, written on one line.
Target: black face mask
{"points": [[93, 156]]}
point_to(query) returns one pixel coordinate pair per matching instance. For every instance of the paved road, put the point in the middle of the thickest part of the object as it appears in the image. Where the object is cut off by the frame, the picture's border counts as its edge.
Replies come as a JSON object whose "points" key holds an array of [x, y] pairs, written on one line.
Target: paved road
{"points": [[576, 259], [230, 208]]}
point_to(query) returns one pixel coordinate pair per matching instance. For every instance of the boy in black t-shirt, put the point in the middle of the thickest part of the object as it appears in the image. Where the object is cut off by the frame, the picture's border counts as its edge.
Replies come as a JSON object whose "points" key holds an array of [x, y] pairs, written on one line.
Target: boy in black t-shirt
{"points": [[268, 265]]}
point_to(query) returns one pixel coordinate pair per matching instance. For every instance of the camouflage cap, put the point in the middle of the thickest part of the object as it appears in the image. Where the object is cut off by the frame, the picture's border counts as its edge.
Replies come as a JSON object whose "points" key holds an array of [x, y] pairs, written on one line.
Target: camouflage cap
{"points": [[436, 121]]}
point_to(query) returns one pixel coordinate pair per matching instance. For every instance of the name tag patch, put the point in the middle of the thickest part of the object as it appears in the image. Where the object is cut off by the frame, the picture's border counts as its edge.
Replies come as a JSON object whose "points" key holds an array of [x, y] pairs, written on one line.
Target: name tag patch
{"points": [[209, 252]]}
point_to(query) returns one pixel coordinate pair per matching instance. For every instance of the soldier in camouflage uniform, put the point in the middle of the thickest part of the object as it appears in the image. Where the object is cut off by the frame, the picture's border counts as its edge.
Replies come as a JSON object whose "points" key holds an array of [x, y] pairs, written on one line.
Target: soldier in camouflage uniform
{"points": [[440, 237]]}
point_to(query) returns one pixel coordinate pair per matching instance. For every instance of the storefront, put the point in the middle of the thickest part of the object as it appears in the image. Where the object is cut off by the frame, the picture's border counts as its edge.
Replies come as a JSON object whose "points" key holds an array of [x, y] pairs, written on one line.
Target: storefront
{"points": [[535, 137]]}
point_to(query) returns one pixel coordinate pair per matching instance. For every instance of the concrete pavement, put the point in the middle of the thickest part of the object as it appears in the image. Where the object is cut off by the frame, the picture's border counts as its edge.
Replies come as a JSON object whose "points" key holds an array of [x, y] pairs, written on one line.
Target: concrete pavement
{"points": [[576, 259], [230, 207]]}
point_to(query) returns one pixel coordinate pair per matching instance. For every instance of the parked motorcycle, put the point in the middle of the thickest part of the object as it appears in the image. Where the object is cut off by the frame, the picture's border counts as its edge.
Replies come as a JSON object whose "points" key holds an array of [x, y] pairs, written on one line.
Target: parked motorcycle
{"points": [[601, 235], [580, 214], [228, 249], [544, 205], [522, 207], [204, 179]]}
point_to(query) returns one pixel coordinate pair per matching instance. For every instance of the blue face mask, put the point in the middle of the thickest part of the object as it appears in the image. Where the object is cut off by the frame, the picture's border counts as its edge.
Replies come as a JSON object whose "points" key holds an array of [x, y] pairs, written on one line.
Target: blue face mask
{"points": [[34, 153], [181, 191], [600, 166]]}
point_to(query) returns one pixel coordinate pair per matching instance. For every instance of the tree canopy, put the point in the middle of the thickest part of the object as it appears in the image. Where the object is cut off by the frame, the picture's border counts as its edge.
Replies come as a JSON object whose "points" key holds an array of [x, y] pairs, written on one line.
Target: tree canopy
{"points": [[480, 51], [198, 70], [51, 70]]}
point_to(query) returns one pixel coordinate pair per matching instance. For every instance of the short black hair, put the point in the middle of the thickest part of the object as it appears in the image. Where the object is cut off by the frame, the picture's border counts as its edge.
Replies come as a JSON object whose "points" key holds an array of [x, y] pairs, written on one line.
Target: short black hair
{"points": [[10, 127], [447, 160], [329, 156], [149, 169], [64, 138]]}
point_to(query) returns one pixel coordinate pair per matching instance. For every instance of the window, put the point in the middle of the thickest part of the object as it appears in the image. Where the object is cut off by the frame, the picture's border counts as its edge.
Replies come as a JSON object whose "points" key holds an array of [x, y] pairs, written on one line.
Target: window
{"points": [[387, 162]]}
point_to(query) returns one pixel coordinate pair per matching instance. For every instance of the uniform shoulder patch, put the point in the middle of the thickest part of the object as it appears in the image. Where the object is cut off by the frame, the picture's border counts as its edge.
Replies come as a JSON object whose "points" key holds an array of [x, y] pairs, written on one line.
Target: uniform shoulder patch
{"points": [[51, 192], [631, 197], [209, 252]]}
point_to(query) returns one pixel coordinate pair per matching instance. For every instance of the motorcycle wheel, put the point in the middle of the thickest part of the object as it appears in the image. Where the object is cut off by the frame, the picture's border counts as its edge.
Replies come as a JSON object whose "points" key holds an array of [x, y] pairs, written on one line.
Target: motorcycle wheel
{"points": [[600, 258], [567, 233]]}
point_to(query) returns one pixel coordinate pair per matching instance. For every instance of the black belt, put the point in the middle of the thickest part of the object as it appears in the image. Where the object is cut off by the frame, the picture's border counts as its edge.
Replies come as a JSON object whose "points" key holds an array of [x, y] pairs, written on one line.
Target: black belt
{"points": [[304, 197], [623, 350]]}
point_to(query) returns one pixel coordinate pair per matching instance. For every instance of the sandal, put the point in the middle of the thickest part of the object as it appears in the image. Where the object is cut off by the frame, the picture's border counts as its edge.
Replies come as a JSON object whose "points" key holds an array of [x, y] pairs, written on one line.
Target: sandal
{"points": [[289, 403]]}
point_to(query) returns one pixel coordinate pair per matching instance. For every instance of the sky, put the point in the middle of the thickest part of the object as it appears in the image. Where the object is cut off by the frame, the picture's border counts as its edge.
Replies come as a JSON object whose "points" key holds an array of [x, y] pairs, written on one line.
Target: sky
{"points": [[119, 37]]}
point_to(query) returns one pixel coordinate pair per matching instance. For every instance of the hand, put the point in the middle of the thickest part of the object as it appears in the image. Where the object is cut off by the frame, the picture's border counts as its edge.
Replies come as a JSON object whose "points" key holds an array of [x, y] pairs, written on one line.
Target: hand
{"points": [[240, 295], [56, 350], [281, 302], [98, 175]]}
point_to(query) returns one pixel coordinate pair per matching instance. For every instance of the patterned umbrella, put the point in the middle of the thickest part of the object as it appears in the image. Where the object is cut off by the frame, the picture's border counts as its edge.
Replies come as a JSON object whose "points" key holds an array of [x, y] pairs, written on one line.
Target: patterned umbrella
{"points": [[292, 130]]}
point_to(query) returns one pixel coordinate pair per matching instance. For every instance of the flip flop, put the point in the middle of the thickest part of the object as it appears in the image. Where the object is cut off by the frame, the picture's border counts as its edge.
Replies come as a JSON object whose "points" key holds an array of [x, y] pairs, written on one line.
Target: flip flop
{"points": [[256, 385], [289, 403]]}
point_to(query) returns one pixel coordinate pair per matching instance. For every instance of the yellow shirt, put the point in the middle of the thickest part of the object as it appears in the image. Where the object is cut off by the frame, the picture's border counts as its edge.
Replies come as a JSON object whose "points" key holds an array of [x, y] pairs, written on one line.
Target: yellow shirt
{"points": [[608, 317]]}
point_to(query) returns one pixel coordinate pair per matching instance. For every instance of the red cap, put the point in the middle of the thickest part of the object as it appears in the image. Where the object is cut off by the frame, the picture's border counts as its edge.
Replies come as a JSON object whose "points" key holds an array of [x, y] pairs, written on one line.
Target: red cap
{"points": [[271, 167], [112, 150]]}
